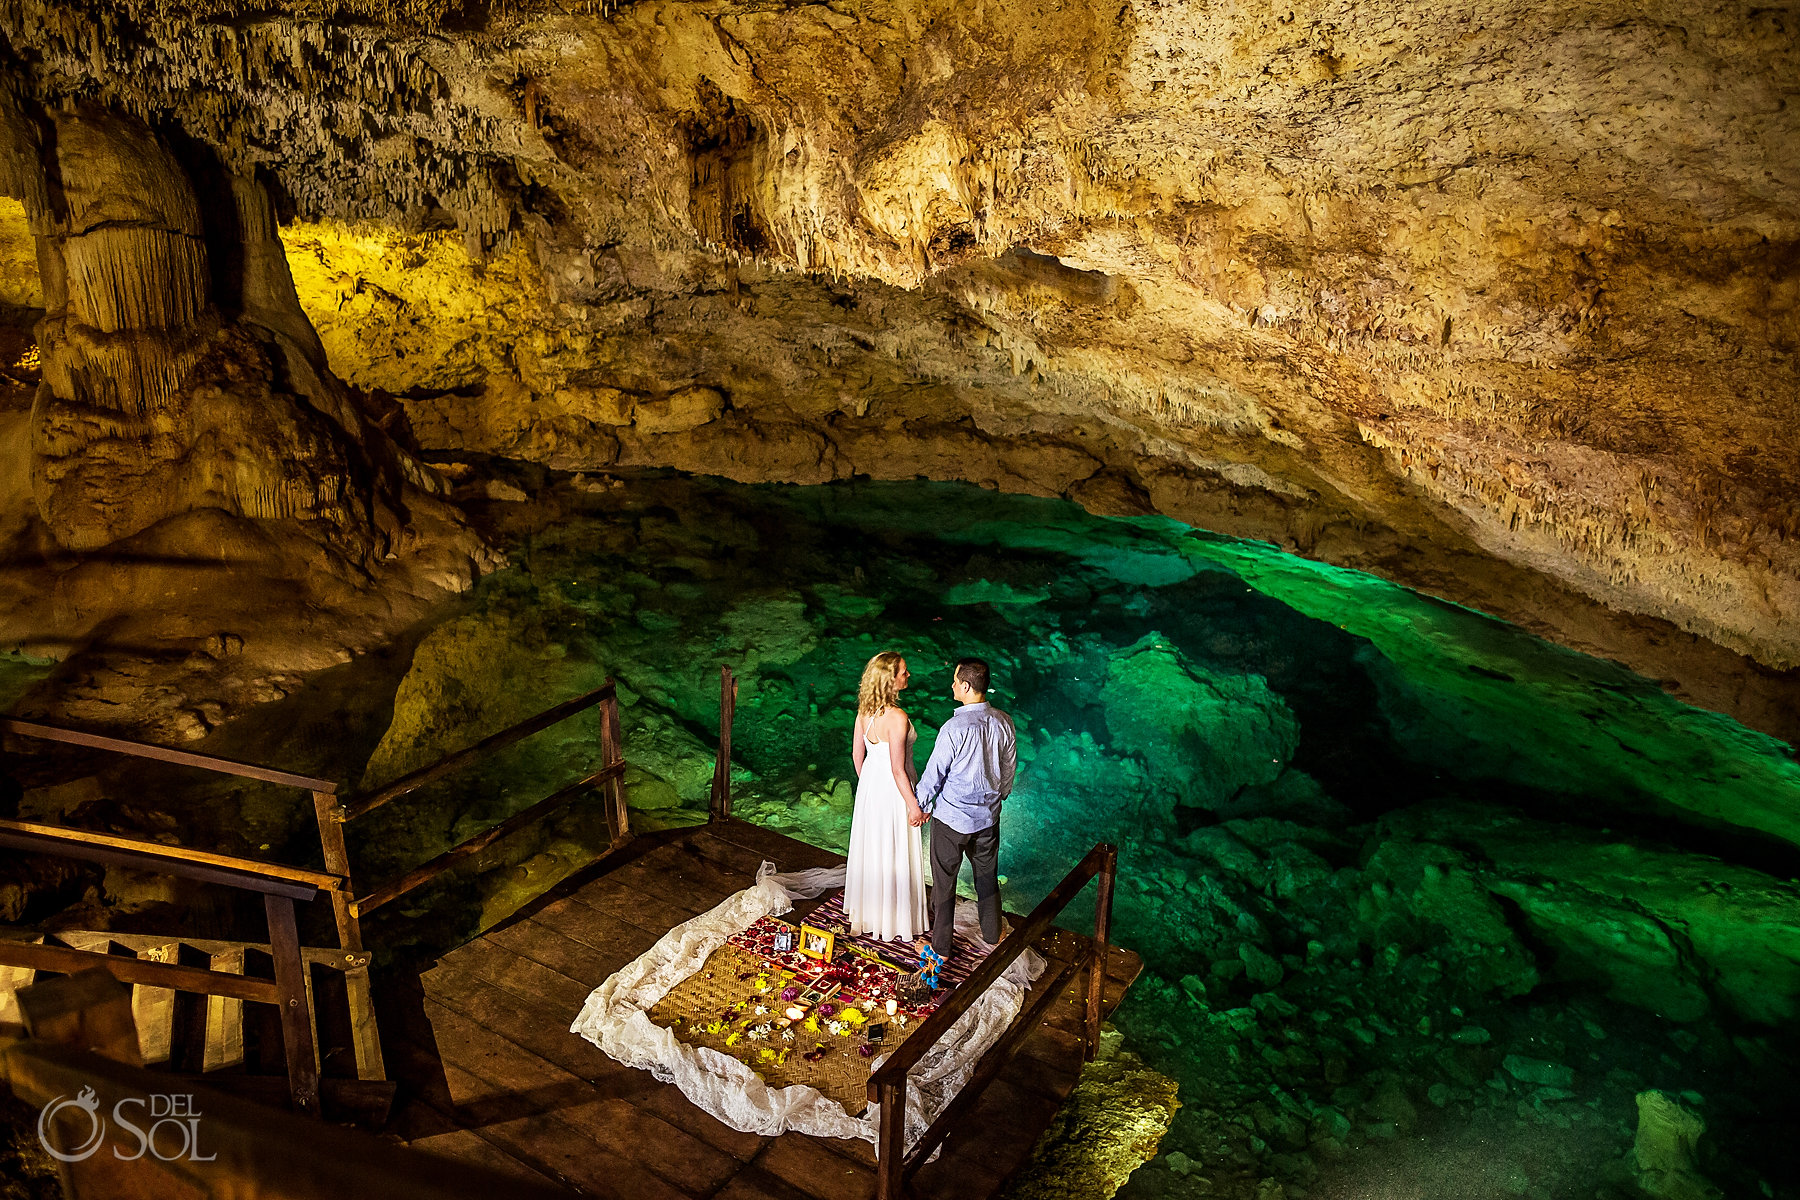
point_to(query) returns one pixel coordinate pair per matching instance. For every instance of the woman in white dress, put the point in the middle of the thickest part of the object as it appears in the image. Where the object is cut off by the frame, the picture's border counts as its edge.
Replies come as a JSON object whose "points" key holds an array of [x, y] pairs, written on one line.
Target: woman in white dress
{"points": [[884, 880]]}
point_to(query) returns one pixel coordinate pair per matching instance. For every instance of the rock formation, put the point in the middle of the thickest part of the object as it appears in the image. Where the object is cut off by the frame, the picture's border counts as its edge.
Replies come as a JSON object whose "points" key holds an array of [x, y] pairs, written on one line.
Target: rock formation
{"points": [[1502, 305], [186, 414]]}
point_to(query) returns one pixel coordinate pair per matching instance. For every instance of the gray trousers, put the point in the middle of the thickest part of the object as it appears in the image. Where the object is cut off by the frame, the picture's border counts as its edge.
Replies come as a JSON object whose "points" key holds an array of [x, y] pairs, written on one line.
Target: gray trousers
{"points": [[947, 850]]}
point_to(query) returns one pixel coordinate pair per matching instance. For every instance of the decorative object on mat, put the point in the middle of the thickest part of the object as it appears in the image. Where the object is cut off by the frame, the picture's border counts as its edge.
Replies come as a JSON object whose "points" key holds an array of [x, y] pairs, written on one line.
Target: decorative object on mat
{"points": [[860, 974], [913, 991], [616, 1017], [970, 949], [817, 943], [784, 939]]}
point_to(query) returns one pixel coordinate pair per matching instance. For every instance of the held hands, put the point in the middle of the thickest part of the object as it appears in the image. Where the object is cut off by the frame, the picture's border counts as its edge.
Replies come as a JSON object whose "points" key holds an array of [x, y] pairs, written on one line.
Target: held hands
{"points": [[915, 816]]}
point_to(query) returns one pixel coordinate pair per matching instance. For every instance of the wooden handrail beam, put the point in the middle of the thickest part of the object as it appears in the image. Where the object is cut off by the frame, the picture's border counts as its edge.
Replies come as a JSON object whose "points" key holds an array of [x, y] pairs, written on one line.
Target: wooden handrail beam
{"points": [[444, 766], [172, 860], [1001, 957], [207, 762], [990, 1065], [423, 874], [64, 961]]}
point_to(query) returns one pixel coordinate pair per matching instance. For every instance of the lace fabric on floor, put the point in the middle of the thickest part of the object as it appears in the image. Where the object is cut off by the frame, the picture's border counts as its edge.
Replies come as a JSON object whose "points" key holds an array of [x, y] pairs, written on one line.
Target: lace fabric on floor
{"points": [[616, 1019]]}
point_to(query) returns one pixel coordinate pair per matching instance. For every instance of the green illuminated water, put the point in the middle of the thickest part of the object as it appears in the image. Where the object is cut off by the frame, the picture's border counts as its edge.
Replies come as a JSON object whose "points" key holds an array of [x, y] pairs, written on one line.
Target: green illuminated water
{"points": [[1357, 824], [1425, 902]]}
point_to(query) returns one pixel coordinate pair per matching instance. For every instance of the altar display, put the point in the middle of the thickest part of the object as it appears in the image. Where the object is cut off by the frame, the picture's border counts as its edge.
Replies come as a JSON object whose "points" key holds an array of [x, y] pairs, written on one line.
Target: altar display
{"points": [[771, 1025]]}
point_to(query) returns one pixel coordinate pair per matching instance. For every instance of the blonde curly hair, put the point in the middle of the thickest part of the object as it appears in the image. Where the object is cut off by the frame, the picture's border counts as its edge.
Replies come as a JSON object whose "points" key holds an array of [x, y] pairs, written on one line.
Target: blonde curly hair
{"points": [[878, 692]]}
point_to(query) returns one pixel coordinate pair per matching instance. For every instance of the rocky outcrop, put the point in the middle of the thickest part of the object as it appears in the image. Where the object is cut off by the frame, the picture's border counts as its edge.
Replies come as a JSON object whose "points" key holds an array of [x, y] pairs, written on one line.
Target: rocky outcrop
{"points": [[1502, 307], [186, 414], [1110, 1125]]}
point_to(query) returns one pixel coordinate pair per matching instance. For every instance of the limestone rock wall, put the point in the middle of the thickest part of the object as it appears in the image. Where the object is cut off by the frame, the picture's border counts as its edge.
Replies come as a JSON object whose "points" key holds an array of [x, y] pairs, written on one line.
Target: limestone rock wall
{"points": [[187, 422], [1500, 302]]}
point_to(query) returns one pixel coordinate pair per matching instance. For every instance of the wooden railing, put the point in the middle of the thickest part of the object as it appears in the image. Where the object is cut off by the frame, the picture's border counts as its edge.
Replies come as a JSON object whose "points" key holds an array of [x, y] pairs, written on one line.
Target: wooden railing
{"points": [[887, 1086], [720, 807], [610, 777], [279, 887], [223, 766]]}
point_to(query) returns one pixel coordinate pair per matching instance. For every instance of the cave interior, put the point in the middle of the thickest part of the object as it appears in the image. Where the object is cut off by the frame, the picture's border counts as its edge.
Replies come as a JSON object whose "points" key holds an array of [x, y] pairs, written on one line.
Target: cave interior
{"points": [[1359, 436]]}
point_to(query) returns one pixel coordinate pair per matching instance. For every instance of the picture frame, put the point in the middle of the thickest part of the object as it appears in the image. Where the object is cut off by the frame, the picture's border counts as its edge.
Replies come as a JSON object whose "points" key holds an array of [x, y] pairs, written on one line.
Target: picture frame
{"points": [[784, 940], [818, 943]]}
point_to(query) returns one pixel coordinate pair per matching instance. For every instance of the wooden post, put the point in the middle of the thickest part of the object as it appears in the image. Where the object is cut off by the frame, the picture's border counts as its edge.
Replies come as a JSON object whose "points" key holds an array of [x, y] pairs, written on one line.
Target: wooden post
{"points": [[290, 998], [612, 750], [153, 1008], [721, 784], [890, 1149], [1109, 870], [224, 1017], [365, 1041]]}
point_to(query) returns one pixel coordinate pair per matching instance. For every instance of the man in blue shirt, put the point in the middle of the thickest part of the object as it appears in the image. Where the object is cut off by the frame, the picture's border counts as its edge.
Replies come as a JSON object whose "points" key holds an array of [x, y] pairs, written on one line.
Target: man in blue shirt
{"points": [[969, 774]]}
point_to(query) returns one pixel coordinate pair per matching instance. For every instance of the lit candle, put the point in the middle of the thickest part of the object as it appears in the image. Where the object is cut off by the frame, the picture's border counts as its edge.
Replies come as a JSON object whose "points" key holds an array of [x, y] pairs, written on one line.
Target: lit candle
{"points": [[893, 1006], [795, 1013]]}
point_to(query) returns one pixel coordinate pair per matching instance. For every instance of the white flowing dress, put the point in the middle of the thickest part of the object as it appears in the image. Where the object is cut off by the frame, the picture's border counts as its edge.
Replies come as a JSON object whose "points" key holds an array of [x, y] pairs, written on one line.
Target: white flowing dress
{"points": [[884, 879]]}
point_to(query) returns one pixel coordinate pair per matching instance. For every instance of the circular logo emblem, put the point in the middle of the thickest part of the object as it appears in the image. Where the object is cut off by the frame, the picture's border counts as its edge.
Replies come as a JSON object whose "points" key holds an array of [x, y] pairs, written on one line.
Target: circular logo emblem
{"points": [[88, 1103]]}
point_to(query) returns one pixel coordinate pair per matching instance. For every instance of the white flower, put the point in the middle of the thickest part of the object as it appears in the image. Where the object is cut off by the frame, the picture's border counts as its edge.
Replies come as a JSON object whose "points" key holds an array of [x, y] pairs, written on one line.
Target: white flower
{"points": [[787, 1035], [761, 1009]]}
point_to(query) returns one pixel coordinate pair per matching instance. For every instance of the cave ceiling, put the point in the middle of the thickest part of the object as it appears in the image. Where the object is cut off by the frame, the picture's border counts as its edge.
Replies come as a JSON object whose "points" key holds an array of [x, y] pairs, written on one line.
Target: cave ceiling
{"points": [[1499, 301]]}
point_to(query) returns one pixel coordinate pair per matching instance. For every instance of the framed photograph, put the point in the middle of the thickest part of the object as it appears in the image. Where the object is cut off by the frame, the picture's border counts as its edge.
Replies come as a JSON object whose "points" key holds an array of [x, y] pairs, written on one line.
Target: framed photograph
{"points": [[817, 943], [784, 940]]}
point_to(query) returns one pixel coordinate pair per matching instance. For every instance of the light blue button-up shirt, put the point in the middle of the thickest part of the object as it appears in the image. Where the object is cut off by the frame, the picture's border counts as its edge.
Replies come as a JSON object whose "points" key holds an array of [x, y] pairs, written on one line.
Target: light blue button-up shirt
{"points": [[971, 769]]}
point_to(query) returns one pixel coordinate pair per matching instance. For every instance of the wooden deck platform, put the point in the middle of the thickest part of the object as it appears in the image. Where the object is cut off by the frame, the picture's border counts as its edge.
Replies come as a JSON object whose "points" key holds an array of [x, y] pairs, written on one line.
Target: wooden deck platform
{"points": [[491, 1074]]}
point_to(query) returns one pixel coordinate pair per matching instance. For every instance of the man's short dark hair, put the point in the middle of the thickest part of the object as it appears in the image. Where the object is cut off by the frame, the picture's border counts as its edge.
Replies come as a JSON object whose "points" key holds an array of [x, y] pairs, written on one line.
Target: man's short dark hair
{"points": [[974, 672]]}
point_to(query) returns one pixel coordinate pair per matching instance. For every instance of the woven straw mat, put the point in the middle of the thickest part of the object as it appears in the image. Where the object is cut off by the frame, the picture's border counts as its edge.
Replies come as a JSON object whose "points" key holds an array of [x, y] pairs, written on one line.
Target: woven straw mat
{"points": [[714, 993]]}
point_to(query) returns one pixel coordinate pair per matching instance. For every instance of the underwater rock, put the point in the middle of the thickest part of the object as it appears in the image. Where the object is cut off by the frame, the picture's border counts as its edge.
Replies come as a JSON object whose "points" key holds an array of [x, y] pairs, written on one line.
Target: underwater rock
{"points": [[1667, 1142], [1422, 895], [1671, 931], [1537, 1071], [474, 676], [1260, 966], [1110, 1125], [669, 766], [766, 631], [1202, 735]]}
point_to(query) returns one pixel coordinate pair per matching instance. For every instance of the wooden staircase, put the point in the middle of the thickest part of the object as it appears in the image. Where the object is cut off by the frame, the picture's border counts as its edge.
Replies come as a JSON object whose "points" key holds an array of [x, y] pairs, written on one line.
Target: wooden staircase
{"points": [[263, 1019], [237, 1044]]}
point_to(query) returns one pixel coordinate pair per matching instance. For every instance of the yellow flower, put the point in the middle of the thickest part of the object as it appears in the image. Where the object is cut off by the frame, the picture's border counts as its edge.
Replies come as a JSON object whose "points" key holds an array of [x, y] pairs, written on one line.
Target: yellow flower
{"points": [[851, 1016], [732, 1039]]}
